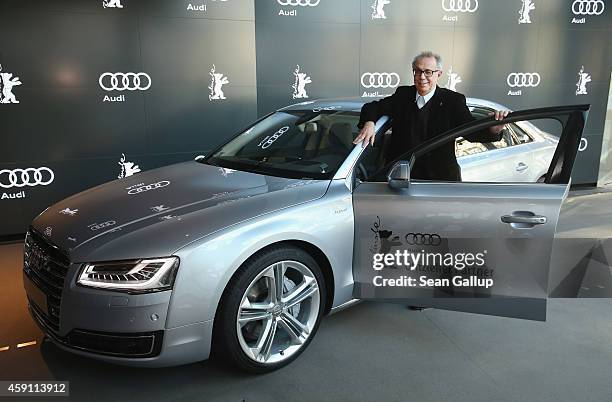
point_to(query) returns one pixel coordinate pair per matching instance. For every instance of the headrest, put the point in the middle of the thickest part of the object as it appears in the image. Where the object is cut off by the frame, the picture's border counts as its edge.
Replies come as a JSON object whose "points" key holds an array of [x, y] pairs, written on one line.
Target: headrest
{"points": [[341, 134]]}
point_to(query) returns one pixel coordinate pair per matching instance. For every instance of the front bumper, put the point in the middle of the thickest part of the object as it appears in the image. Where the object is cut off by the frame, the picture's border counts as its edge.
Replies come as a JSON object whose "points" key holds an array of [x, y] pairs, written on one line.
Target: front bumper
{"points": [[159, 347], [106, 325], [129, 345]]}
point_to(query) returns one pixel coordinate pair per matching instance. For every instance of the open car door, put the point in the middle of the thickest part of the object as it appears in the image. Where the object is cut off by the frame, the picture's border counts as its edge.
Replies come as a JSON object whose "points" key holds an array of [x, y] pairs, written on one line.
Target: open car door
{"points": [[480, 247]]}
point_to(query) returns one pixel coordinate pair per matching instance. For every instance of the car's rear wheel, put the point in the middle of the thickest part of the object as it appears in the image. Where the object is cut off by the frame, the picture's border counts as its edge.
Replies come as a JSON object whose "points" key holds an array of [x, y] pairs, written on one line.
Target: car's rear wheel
{"points": [[270, 310]]}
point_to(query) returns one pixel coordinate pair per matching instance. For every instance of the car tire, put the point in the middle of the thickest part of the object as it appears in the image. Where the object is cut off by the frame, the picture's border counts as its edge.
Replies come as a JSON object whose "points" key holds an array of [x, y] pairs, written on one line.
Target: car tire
{"points": [[259, 332]]}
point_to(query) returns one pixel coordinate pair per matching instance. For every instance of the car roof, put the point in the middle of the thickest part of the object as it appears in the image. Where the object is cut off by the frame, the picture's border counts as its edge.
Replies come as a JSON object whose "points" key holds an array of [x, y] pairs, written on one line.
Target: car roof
{"points": [[355, 103]]}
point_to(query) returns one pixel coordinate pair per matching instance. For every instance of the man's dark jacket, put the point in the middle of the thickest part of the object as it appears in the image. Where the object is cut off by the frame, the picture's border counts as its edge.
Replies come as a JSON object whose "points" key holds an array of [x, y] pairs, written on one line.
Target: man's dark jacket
{"points": [[446, 110]]}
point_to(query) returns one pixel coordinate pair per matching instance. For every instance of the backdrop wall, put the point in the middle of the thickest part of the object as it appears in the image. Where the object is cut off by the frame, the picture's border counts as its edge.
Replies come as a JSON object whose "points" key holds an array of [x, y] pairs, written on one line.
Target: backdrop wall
{"points": [[94, 90]]}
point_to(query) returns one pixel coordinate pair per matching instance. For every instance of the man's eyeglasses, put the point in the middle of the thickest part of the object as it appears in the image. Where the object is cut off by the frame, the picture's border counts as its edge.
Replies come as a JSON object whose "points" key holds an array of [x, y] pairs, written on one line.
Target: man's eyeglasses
{"points": [[428, 73]]}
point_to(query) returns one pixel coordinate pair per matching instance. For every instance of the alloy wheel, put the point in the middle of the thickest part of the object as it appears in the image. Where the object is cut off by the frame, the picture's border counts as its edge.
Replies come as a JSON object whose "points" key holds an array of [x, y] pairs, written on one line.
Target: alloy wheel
{"points": [[278, 312]]}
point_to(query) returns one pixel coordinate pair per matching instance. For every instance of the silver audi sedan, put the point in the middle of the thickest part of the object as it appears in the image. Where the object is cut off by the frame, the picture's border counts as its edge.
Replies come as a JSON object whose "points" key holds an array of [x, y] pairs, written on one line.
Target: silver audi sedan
{"points": [[242, 251]]}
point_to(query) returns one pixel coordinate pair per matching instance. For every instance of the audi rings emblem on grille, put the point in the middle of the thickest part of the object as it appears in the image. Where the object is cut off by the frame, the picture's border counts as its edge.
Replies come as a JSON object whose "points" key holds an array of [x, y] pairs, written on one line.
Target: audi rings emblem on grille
{"points": [[523, 79], [380, 80], [302, 3], [147, 187], [125, 81], [423, 239], [98, 226], [588, 7], [464, 6], [26, 177]]}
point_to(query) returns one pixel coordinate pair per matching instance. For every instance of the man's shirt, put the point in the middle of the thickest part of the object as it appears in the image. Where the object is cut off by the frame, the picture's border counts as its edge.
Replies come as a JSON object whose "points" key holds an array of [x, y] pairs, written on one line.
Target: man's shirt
{"points": [[422, 100]]}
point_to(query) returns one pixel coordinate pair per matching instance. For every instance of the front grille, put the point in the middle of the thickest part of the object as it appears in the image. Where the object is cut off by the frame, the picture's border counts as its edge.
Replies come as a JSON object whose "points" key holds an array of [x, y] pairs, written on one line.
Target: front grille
{"points": [[46, 266]]}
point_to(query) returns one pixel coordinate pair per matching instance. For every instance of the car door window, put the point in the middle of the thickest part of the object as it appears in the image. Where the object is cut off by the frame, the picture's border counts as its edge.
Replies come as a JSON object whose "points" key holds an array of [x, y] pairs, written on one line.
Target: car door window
{"points": [[498, 161], [504, 142], [520, 135], [464, 147]]}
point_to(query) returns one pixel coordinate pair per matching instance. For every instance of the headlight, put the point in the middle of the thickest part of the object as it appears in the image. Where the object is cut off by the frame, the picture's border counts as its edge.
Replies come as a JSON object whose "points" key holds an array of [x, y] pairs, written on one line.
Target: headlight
{"points": [[136, 276]]}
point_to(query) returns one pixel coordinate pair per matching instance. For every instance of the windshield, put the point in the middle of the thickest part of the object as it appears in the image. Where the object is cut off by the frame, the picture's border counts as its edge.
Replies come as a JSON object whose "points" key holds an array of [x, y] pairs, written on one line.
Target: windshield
{"points": [[295, 144]]}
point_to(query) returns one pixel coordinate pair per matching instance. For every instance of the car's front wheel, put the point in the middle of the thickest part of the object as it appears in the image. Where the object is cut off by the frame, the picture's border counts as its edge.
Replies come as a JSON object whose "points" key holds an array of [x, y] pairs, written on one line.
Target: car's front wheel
{"points": [[270, 310]]}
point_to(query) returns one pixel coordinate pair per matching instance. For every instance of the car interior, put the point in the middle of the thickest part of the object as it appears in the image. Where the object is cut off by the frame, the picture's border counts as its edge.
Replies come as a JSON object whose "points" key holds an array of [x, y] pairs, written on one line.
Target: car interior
{"points": [[373, 159]]}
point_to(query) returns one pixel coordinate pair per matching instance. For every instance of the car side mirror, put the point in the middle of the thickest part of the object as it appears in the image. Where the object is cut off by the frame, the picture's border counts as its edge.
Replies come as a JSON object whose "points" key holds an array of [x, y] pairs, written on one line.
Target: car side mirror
{"points": [[399, 175]]}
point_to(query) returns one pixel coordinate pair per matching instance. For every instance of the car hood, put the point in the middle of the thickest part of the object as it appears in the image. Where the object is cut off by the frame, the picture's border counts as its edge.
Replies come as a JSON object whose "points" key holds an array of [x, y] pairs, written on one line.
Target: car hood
{"points": [[154, 213]]}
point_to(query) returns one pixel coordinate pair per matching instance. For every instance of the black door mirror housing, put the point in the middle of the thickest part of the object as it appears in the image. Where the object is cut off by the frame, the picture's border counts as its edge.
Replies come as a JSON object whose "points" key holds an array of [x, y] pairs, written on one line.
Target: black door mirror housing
{"points": [[399, 175]]}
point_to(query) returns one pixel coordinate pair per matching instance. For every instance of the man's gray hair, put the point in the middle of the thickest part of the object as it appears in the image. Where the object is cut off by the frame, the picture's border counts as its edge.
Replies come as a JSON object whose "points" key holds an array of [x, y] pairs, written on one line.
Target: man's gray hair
{"points": [[428, 53]]}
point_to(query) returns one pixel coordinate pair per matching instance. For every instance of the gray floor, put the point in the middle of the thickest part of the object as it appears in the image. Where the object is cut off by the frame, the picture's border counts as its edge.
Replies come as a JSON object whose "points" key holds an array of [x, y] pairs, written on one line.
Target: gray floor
{"points": [[371, 352]]}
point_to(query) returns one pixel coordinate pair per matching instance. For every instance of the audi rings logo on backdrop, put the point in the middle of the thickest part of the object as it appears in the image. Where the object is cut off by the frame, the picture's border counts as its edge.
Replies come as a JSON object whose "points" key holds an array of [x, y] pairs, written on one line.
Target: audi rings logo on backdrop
{"points": [[125, 81], [380, 80], [588, 7], [302, 3], [141, 188], [464, 6], [31, 177], [523, 80], [423, 239]]}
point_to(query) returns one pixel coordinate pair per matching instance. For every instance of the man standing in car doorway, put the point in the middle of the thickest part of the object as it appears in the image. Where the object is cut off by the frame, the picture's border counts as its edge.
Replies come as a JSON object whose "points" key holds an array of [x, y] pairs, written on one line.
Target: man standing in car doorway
{"points": [[421, 112]]}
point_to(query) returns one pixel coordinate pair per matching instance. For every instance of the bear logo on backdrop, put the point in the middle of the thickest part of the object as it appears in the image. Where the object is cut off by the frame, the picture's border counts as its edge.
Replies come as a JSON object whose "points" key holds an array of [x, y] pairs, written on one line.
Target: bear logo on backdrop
{"points": [[453, 79], [378, 12], [112, 4], [299, 84], [7, 82], [217, 80], [527, 6], [583, 79]]}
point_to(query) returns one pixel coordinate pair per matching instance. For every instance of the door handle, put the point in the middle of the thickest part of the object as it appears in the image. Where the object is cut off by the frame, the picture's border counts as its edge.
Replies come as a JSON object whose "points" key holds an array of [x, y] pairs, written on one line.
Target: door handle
{"points": [[521, 166], [524, 219]]}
